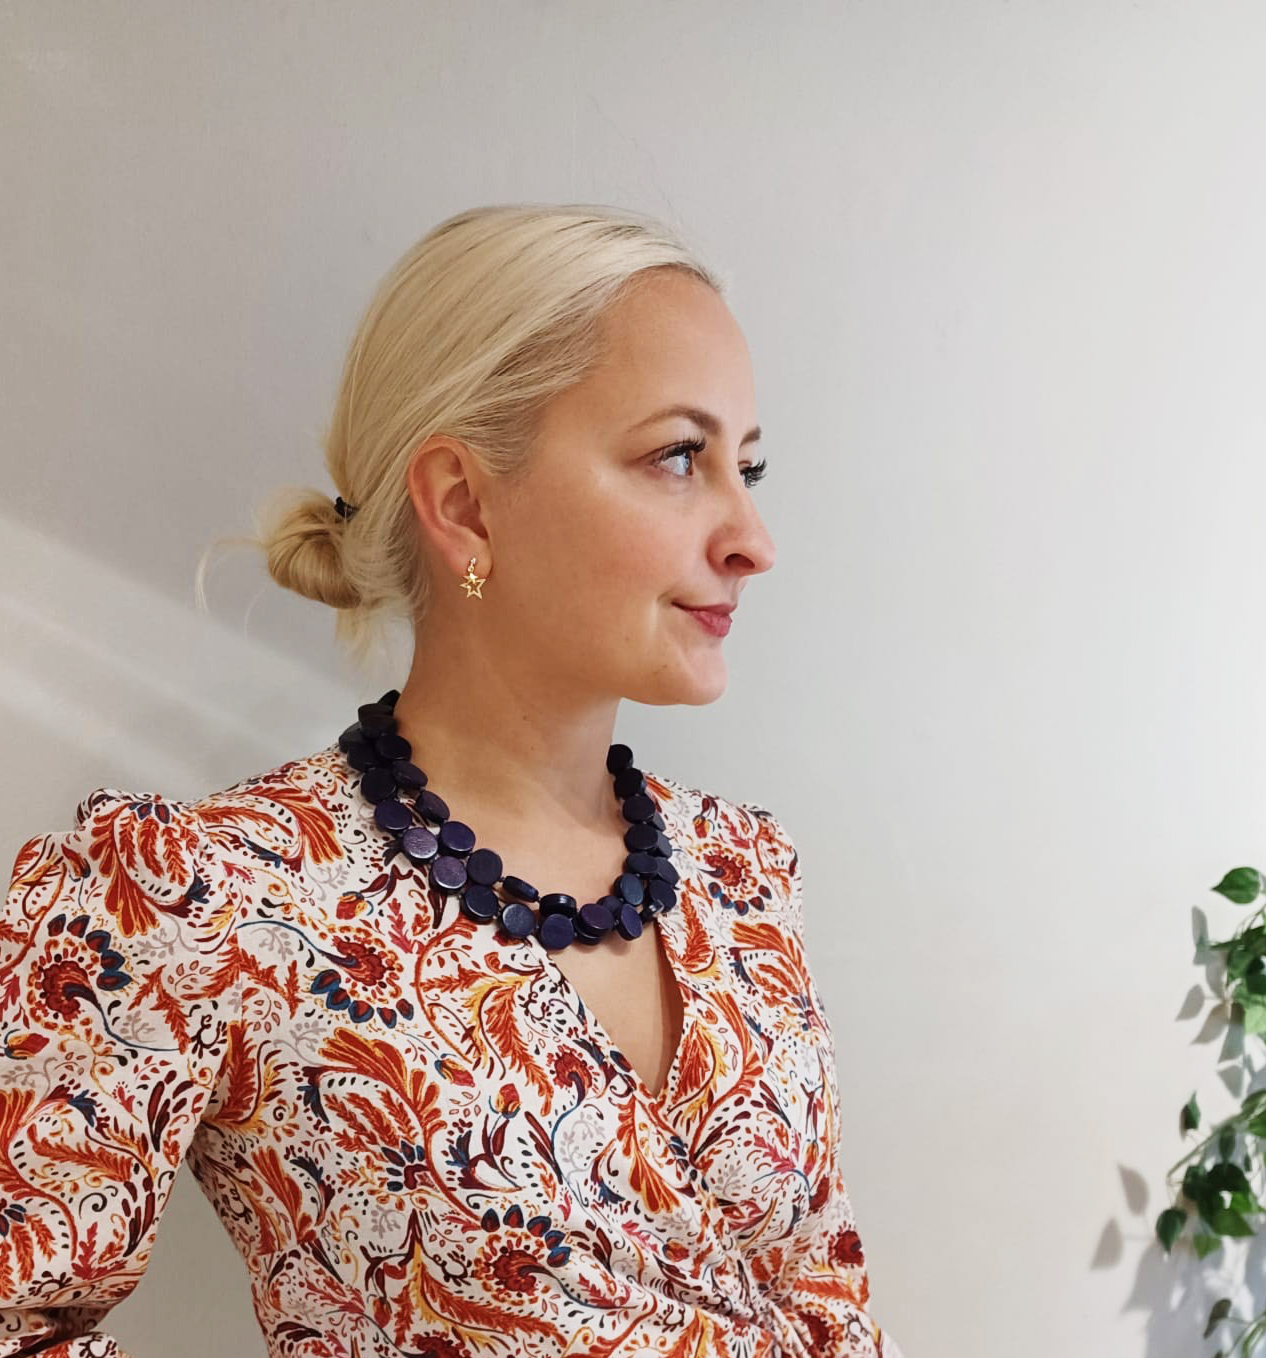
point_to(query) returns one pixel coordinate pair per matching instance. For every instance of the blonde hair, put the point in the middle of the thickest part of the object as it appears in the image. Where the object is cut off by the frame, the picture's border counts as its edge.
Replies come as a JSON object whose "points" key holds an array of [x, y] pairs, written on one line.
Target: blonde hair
{"points": [[490, 314]]}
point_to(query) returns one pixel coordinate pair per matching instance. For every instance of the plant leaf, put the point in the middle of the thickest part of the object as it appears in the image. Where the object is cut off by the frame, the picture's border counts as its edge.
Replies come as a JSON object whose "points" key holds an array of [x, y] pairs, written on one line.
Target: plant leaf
{"points": [[1218, 1313], [1193, 1182], [1240, 885], [1190, 1118], [1168, 1225], [1205, 1243], [1256, 1126], [1254, 1015], [1228, 1177], [1255, 980], [1243, 950], [1246, 1202], [1227, 1221]]}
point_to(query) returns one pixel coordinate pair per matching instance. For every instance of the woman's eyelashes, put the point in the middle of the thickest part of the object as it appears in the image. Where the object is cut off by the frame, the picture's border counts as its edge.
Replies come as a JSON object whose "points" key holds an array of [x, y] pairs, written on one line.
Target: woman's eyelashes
{"points": [[691, 448]]}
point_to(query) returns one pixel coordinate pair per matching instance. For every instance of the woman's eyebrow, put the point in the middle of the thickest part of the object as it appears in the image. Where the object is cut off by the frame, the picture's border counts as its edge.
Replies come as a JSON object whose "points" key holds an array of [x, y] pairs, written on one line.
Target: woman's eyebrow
{"points": [[700, 417]]}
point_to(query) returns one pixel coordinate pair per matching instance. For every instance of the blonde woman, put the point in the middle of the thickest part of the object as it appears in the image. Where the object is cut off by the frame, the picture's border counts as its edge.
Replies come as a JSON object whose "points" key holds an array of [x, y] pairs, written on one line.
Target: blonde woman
{"points": [[480, 1038]]}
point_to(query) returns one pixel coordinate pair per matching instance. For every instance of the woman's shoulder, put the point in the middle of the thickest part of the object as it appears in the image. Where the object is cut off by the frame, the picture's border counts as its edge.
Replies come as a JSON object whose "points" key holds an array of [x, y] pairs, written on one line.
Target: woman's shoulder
{"points": [[313, 773], [150, 855], [291, 816], [281, 782], [714, 811], [739, 840]]}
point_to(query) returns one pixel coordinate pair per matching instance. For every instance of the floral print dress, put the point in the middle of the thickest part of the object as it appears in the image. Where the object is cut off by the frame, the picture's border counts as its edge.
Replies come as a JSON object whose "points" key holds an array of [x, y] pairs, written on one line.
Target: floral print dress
{"points": [[419, 1138]]}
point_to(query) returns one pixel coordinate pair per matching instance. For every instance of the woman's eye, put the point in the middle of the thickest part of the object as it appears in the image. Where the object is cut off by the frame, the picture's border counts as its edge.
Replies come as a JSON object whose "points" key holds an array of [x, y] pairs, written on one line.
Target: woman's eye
{"points": [[693, 447], [754, 473], [689, 450]]}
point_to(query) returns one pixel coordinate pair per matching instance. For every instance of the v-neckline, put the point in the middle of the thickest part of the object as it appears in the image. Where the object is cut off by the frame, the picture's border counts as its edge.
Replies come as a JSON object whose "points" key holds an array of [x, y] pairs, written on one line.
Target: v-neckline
{"points": [[665, 923], [668, 923]]}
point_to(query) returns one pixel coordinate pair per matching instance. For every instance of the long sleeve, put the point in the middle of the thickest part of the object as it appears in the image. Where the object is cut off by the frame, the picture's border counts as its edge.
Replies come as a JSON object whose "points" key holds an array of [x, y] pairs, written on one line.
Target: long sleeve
{"points": [[119, 985], [828, 1292]]}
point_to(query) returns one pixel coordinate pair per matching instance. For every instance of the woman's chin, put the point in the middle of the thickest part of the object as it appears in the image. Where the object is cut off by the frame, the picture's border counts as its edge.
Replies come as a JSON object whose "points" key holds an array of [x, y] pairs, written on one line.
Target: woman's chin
{"points": [[694, 683]]}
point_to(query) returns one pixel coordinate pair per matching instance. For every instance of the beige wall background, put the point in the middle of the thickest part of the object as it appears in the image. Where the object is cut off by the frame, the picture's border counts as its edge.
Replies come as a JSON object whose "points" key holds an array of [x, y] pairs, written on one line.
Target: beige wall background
{"points": [[1001, 269]]}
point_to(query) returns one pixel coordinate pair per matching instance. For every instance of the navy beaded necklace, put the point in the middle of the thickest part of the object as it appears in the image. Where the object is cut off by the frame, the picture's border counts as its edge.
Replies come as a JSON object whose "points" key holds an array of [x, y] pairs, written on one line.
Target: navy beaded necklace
{"points": [[647, 886]]}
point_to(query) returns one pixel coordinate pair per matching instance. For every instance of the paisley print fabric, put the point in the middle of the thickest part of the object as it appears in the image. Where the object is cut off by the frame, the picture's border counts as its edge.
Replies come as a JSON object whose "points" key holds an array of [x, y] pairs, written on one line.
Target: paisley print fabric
{"points": [[419, 1138]]}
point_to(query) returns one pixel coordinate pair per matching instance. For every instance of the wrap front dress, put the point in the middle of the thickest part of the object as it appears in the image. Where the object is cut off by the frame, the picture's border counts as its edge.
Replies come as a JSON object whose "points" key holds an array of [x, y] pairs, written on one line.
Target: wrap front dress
{"points": [[420, 1139]]}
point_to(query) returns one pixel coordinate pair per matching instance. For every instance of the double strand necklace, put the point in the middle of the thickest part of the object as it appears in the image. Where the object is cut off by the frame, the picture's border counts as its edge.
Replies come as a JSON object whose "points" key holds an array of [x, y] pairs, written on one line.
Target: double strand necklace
{"points": [[403, 804]]}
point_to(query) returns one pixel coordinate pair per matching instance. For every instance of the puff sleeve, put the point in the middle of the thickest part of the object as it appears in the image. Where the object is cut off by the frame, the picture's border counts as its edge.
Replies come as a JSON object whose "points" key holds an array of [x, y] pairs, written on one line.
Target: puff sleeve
{"points": [[119, 986], [831, 1277]]}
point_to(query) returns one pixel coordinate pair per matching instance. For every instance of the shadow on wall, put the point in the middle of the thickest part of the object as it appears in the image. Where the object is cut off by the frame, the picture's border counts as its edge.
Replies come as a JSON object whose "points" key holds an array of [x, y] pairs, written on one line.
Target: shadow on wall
{"points": [[107, 682]]}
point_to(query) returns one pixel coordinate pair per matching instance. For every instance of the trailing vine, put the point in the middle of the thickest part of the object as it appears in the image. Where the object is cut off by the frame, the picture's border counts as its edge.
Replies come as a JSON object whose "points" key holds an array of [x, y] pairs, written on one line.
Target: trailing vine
{"points": [[1215, 1183]]}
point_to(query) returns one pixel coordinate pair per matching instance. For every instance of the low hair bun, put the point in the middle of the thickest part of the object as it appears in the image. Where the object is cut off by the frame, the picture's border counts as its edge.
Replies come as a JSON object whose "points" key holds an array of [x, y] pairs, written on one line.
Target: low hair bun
{"points": [[302, 541]]}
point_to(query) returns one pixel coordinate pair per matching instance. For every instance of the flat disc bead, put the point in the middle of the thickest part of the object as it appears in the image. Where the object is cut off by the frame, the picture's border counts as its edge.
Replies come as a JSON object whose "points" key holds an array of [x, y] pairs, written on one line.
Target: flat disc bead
{"points": [[557, 902], [378, 784], [618, 757], [479, 903], [638, 807], [484, 867], [629, 922], [456, 837], [376, 719], [419, 844], [641, 838], [629, 780], [556, 930], [667, 872], [393, 815], [408, 775], [596, 917], [518, 887], [628, 887], [448, 873], [518, 920], [662, 893], [391, 746], [430, 805], [644, 864], [361, 757]]}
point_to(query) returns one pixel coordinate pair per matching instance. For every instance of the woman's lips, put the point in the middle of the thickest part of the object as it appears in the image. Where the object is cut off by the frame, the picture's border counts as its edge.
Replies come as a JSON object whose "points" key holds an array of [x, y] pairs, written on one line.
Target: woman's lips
{"points": [[717, 623]]}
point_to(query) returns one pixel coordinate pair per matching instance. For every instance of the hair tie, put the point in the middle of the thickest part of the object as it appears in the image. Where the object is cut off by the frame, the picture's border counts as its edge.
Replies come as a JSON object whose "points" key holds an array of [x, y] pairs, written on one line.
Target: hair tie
{"points": [[344, 510]]}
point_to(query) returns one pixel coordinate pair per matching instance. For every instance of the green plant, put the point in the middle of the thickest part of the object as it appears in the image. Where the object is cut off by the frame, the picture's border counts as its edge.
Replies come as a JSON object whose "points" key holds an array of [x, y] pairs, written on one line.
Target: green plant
{"points": [[1215, 1183]]}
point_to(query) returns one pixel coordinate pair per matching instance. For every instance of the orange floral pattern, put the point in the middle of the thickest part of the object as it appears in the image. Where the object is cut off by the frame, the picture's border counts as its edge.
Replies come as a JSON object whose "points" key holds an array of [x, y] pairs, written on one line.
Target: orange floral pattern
{"points": [[419, 1138]]}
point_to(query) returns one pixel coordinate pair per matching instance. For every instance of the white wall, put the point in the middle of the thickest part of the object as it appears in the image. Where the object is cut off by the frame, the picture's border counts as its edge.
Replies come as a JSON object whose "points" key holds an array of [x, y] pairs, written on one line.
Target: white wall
{"points": [[1002, 271]]}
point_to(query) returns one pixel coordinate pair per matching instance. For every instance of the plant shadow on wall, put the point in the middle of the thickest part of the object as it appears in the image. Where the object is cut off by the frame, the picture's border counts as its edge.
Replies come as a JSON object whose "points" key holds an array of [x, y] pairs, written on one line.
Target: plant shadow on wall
{"points": [[1217, 1187]]}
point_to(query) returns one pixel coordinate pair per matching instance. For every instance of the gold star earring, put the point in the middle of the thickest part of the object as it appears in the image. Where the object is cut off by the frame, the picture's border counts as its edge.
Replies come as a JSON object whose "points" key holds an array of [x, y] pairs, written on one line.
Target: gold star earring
{"points": [[473, 583]]}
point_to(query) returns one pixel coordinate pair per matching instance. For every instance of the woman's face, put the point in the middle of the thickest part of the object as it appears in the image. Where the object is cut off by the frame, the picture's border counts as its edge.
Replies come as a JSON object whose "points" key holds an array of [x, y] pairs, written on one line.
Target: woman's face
{"points": [[595, 548]]}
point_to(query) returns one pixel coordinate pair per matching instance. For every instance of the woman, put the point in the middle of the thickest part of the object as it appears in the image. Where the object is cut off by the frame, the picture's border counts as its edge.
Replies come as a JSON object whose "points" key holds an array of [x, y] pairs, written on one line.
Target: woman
{"points": [[479, 1038]]}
